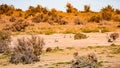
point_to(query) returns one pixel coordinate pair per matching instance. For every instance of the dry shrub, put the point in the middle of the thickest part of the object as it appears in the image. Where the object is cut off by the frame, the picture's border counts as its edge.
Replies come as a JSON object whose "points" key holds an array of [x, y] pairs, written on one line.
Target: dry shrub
{"points": [[107, 12], [114, 36], [12, 19], [4, 41], [117, 11], [116, 18], [78, 21], [55, 18], [118, 25], [20, 25], [106, 15], [95, 19], [39, 18], [27, 50], [80, 36], [63, 22], [70, 8], [87, 8], [49, 49], [85, 61]]}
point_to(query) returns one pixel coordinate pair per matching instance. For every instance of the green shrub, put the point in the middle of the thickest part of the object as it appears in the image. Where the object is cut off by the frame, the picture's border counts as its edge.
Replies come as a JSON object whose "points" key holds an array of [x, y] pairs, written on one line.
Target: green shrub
{"points": [[104, 30], [113, 44], [4, 41], [116, 51], [88, 30], [80, 36], [27, 50]]}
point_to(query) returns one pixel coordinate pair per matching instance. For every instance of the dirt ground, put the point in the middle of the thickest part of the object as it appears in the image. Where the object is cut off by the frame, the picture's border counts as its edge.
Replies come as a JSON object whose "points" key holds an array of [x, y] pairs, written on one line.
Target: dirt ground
{"points": [[67, 40], [107, 55]]}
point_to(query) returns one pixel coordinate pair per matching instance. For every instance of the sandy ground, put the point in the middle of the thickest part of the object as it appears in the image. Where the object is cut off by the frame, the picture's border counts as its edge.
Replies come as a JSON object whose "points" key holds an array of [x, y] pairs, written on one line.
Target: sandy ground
{"points": [[67, 40], [96, 42], [62, 58]]}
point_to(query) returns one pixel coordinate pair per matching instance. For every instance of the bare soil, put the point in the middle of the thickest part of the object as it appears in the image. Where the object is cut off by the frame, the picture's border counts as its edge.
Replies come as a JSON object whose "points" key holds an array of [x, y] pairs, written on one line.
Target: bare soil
{"points": [[61, 58]]}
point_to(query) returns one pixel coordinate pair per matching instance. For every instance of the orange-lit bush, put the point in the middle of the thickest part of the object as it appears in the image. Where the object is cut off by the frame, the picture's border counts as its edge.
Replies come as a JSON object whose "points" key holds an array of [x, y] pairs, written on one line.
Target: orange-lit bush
{"points": [[20, 25], [78, 21], [95, 19]]}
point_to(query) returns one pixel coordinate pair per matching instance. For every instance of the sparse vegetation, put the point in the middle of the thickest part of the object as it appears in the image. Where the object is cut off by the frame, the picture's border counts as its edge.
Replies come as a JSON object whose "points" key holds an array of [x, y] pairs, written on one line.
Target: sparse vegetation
{"points": [[63, 63], [41, 14], [78, 21], [20, 25], [70, 48], [27, 50], [95, 19], [49, 49], [4, 41], [88, 61], [114, 36], [12, 19], [85, 30], [80, 36]]}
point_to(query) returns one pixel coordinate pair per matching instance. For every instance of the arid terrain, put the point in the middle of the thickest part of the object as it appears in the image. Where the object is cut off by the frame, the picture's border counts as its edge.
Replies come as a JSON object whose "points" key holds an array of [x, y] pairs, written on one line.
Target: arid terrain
{"points": [[49, 38], [67, 40], [62, 57]]}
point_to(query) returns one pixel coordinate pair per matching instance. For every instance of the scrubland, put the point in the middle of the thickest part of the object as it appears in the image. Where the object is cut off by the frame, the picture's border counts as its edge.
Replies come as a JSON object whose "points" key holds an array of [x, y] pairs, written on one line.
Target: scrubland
{"points": [[48, 38]]}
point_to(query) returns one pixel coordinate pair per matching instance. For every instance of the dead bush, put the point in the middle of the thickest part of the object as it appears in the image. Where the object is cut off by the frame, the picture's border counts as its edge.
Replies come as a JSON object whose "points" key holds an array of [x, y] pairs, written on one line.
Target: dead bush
{"points": [[106, 15], [27, 50], [49, 49], [70, 8], [118, 25], [78, 21], [56, 18], [63, 22], [39, 18], [4, 41], [12, 19], [20, 25], [85, 61], [114, 36], [87, 8], [95, 19], [116, 18], [80, 36], [117, 11]]}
